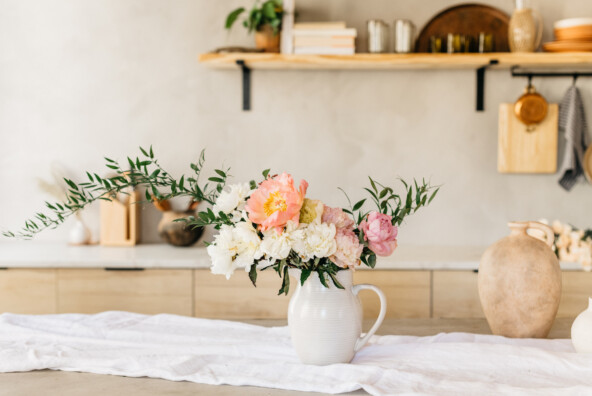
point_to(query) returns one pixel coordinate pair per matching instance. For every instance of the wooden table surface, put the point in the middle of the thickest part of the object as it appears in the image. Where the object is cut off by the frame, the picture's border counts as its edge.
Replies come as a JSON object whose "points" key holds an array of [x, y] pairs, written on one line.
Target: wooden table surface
{"points": [[49, 383]]}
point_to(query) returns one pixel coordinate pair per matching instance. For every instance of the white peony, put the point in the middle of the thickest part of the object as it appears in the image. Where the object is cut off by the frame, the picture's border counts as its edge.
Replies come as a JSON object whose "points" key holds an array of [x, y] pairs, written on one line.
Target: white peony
{"points": [[222, 252], [277, 246], [247, 244], [232, 199], [318, 240], [234, 247]]}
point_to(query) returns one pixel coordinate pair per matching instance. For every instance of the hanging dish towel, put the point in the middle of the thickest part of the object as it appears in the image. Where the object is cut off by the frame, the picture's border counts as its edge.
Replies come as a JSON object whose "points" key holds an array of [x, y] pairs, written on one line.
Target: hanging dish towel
{"points": [[572, 122]]}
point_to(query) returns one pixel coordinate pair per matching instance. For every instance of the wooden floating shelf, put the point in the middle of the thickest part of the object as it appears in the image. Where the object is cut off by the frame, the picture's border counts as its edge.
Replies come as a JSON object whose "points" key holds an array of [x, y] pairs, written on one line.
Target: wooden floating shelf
{"points": [[505, 60]]}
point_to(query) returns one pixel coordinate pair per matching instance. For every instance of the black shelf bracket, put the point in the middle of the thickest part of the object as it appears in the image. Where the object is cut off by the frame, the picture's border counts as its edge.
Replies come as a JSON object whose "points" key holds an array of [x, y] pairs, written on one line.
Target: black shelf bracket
{"points": [[481, 84], [246, 72]]}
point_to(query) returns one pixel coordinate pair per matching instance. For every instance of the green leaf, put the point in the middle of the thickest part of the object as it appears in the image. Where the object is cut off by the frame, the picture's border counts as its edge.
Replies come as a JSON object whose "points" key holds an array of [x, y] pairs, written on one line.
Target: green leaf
{"points": [[304, 275], [151, 152], [372, 260], [285, 282], [335, 281], [221, 173], [268, 9], [216, 179], [144, 152], [253, 185], [373, 184], [359, 204], [253, 274], [265, 173], [322, 278], [233, 16], [433, 195]]}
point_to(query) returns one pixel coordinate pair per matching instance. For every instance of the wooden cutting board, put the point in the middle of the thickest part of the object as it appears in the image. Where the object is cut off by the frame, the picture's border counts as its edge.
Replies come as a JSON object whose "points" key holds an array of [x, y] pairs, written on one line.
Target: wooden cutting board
{"points": [[520, 151]]}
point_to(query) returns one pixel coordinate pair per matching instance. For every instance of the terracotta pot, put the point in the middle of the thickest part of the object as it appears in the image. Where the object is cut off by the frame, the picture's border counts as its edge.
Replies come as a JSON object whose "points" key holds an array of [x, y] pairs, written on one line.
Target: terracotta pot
{"points": [[177, 233], [520, 283], [266, 40]]}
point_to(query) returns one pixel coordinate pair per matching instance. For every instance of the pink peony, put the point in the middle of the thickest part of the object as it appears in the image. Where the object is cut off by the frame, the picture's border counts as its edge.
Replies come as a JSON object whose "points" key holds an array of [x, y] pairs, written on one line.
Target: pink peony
{"points": [[338, 217], [275, 202], [380, 233], [348, 250]]}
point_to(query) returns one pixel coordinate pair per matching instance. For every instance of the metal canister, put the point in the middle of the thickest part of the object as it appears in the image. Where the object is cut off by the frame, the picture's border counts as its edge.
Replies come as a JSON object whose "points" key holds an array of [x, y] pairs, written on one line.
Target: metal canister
{"points": [[378, 35], [404, 31]]}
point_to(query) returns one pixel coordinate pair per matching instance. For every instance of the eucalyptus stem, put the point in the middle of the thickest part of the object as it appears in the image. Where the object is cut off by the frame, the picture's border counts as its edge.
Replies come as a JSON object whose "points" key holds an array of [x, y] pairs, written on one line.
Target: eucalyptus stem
{"points": [[143, 171]]}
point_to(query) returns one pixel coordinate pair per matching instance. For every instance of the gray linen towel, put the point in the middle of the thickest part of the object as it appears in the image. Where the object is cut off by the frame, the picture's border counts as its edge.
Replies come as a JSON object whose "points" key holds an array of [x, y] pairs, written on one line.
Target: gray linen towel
{"points": [[572, 122]]}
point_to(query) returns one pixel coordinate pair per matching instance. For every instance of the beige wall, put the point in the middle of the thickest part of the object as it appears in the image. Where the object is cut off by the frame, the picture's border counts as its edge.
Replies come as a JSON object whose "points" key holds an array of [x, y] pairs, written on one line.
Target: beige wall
{"points": [[82, 79]]}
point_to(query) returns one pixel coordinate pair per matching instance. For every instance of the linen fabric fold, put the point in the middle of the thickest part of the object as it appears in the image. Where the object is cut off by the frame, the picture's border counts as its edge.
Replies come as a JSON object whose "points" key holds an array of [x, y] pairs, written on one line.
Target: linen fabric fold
{"points": [[572, 122], [222, 352]]}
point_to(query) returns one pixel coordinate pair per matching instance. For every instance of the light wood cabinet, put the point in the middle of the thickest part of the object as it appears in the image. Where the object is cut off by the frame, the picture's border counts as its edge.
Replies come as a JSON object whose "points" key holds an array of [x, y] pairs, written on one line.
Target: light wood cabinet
{"points": [[407, 293], [456, 295], [28, 291], [237, 298], [576, 288], [148, 291]]}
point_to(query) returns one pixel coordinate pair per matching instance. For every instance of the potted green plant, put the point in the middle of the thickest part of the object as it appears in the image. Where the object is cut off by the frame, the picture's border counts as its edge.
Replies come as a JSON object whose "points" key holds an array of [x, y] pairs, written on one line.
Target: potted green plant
{"points": [[265, 19]]}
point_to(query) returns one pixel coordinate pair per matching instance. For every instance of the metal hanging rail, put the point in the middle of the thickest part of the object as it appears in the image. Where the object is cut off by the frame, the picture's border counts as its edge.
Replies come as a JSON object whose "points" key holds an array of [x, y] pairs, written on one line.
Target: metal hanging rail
{"points": [[516, 72]]}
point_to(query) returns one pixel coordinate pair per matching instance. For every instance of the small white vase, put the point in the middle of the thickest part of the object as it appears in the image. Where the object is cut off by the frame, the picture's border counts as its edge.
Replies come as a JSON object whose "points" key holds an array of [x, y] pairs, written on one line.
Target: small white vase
{"points": [[326, 323], [79, 233], [581, 331]]}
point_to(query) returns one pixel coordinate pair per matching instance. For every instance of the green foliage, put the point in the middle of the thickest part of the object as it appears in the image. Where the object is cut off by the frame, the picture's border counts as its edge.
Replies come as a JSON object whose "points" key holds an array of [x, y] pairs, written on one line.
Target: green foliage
{"points": [[143, 171], [269, 12]]}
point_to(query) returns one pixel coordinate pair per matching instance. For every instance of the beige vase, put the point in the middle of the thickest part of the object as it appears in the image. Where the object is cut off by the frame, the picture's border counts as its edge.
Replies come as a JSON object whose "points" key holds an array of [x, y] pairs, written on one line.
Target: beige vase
{"points": [[520, 283], [267, 40]]}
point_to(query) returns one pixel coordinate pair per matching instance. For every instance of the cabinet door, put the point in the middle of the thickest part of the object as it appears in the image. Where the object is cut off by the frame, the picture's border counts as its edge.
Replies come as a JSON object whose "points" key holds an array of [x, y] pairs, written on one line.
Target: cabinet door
{"points": [[576, 289], [28, 291], [456, 295], [407, 293], [236, 298], [148, 291]]}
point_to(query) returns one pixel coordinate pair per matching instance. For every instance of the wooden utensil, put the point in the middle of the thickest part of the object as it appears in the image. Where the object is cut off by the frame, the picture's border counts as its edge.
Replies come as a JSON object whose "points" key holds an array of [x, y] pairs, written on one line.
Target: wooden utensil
{"points": [[523, 151], [467, 19], [531, 108], [588, 164]]}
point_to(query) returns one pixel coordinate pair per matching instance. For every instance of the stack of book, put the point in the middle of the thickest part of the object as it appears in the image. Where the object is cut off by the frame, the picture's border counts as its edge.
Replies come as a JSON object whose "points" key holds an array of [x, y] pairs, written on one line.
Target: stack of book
{"points": [[324, 38]]}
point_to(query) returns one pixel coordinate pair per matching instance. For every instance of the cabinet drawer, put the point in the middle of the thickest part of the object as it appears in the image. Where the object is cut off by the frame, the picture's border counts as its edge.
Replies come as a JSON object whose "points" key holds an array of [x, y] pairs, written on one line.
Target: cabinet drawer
{"points": [[148, 292], [456, 295], [407, 293], [576, 288], [28, 291], [237, 298]]}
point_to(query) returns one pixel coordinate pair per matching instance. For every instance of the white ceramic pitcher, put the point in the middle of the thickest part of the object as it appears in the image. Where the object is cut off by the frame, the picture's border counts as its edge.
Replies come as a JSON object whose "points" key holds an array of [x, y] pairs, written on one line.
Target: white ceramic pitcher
{"points": [[326, 323]]}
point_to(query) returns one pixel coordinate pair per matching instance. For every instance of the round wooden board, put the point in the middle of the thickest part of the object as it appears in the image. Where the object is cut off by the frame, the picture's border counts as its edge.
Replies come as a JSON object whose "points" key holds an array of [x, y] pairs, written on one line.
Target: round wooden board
{"points": [[467, 19], [568, 46]]}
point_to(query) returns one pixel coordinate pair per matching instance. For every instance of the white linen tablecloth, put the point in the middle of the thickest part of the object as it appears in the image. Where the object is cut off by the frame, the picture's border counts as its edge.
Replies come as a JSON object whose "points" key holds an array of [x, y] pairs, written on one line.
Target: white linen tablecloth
{"points": [[222, 352]]}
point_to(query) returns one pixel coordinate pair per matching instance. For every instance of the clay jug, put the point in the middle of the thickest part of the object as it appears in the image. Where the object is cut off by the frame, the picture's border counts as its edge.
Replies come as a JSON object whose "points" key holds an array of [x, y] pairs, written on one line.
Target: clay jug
{"points": [[520, 283]]}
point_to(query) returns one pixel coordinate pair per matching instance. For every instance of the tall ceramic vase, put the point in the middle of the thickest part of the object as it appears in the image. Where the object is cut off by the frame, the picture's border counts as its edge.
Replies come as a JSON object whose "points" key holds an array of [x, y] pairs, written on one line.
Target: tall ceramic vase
{"points": [[326, 323], [520, 283], [581, 330]]}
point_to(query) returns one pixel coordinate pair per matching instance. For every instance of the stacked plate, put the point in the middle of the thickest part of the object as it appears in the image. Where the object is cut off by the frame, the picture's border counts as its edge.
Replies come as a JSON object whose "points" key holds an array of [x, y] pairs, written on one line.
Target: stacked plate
{"points": [[574, 34]]}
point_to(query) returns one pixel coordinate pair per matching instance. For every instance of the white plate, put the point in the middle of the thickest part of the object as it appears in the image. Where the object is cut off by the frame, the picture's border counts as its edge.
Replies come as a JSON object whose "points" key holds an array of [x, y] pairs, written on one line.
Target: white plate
{"points": [[571, 22]]}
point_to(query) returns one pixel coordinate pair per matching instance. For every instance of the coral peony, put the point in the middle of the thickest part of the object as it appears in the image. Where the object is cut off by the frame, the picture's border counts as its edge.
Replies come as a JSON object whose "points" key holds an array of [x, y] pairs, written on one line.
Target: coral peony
{"points": [[338, 217], [275, 202], [380, 233], [348, 250]]}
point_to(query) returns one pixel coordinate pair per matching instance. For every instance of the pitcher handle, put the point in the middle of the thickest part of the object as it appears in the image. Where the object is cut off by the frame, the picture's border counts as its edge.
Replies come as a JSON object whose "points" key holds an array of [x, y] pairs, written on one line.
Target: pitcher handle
{"points": [[548, 231], [539, 35], [356, 289]]}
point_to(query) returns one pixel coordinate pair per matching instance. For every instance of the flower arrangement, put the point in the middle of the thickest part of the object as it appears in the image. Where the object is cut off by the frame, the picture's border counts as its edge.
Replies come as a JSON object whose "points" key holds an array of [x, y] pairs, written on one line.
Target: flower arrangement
{"points": [[572, 244], [261, 225]]}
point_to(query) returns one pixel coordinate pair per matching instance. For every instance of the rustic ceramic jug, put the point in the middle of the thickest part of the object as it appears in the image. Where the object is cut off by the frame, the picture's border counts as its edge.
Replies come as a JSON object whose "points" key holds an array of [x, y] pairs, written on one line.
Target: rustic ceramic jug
{"points": [[326, 323], [520, 283]]}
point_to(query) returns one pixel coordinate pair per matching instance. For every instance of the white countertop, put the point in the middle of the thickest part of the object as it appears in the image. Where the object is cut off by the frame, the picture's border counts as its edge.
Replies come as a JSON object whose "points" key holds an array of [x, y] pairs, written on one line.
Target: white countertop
{"points": [[33, 254]]}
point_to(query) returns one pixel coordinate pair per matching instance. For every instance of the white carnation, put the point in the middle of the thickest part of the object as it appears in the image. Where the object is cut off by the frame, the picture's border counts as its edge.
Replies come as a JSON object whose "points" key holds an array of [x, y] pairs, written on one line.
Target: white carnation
{"points": [[318, 241], [247, 245], [232, 199]]}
